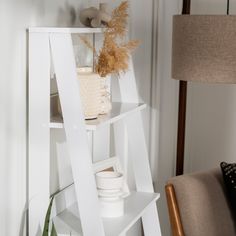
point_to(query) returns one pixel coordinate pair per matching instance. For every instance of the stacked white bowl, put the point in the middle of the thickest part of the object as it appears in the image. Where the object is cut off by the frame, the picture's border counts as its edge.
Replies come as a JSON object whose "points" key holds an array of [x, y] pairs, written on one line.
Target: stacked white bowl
{"points": [[110, 193]]}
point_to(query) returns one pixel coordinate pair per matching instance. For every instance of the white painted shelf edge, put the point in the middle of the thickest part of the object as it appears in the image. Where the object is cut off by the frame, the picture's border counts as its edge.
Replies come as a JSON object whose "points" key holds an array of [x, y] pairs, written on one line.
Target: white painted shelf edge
{"points": [[67, 223], [119, 111], [81, 30]]}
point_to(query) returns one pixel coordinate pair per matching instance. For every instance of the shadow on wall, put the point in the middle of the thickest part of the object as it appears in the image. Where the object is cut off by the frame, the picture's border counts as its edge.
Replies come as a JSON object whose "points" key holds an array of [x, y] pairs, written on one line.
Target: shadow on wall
{"points": [[23, 221], [67, 16]]}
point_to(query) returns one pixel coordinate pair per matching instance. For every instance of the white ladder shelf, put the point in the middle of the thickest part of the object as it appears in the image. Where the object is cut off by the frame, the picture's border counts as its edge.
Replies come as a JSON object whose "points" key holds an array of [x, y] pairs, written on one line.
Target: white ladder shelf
{"points": [[79, 215]]}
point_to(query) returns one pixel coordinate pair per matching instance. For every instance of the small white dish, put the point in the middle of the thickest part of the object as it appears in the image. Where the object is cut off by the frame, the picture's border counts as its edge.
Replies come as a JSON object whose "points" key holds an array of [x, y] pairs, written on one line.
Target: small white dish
{"points": [[110, 194], [109, 180], [109, 190], [110, 199]]}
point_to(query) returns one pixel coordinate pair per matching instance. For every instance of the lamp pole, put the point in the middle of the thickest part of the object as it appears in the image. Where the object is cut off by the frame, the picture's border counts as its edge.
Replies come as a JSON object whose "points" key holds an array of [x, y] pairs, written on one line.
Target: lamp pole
{"points": [[182, 111], [227, 12]]}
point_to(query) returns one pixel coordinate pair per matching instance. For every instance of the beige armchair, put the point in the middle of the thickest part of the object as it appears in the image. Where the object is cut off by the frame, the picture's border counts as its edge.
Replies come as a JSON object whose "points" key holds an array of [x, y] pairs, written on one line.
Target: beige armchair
{"points": [[198, 205]]}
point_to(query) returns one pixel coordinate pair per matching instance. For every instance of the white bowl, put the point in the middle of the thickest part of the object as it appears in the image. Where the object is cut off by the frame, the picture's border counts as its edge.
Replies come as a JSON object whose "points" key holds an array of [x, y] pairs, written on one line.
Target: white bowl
{"points": [[109, 180]]}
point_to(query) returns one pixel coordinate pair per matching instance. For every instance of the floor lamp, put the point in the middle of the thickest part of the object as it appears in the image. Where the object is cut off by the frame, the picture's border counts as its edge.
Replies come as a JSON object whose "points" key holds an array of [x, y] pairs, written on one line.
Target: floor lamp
{"points": [[203, 50]]}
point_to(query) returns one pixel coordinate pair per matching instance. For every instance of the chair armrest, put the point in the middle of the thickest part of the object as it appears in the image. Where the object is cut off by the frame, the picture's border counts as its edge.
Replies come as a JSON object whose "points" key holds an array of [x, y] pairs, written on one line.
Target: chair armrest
{"points": [[173, 208]]}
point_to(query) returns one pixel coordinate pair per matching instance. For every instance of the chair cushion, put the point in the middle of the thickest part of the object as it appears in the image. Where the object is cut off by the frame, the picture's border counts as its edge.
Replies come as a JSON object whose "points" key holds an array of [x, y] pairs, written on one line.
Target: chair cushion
{"points": [[203, 205], [229, 174]]}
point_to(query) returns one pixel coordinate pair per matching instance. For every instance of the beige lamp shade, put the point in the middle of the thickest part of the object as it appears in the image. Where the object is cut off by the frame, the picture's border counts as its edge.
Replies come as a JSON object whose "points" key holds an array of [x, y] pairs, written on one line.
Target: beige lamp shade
{"points": [[204, 48]]}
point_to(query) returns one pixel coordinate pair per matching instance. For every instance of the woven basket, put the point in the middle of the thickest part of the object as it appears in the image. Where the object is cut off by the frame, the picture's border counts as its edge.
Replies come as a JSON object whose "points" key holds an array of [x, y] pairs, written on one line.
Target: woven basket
{"points": [[90, 92], [94, 93]]}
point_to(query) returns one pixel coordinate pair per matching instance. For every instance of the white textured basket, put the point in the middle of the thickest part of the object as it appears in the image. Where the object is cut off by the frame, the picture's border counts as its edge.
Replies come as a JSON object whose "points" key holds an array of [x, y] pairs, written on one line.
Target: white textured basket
{"points": [[90, 92], [105, 105], [94, 93]]}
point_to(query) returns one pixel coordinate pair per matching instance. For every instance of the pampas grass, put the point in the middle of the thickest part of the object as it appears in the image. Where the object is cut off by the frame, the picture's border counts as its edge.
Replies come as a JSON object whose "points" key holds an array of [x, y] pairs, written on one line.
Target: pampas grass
{"points": [[113, 57]]}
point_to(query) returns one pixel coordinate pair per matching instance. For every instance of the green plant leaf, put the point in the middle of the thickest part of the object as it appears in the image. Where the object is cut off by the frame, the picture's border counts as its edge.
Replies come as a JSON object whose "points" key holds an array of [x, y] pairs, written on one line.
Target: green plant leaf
{"points": [[47, 219], [53, 232]]}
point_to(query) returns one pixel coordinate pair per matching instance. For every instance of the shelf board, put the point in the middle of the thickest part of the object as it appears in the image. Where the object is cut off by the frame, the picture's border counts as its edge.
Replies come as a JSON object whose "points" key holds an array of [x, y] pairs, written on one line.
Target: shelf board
{"points": [[68, 223], [119, 111], [82, 30]]}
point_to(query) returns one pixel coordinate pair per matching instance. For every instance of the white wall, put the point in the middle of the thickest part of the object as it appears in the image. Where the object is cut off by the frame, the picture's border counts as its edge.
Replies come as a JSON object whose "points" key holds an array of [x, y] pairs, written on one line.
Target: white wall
{"points": [[15, 17], [167, 106]]}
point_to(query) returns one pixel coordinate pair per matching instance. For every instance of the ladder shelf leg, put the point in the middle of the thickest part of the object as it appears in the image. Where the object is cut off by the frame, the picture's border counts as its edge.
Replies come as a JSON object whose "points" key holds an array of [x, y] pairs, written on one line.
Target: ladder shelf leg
{"points": [[75, 129], [142, 171], [38, 131], [138, 150]]}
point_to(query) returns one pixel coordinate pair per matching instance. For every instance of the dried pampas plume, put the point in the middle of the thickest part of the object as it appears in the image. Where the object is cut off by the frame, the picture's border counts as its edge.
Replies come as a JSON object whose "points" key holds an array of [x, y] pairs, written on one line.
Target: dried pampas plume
{"points": [[117, 24], [113, 57]]}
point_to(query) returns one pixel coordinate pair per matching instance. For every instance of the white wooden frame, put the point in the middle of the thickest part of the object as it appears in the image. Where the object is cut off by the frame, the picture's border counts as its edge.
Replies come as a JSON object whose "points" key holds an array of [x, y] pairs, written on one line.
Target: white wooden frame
{"points": [[44, 42]]}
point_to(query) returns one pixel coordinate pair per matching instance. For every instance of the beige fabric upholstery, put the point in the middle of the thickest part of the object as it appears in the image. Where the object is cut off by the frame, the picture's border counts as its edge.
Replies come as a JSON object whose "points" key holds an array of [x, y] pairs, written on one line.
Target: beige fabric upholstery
{"points": [[203, 205]]}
